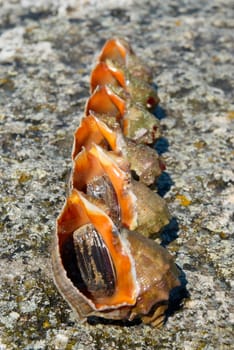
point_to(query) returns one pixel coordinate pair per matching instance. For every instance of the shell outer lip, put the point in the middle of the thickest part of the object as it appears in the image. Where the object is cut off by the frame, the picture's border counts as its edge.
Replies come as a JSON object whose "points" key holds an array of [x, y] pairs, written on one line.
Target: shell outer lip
{"points": [[126, 298]]}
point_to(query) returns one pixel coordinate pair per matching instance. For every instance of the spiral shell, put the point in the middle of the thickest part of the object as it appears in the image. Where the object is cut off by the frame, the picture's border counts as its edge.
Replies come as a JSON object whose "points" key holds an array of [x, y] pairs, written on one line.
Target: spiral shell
{"points": [[104, 261]]}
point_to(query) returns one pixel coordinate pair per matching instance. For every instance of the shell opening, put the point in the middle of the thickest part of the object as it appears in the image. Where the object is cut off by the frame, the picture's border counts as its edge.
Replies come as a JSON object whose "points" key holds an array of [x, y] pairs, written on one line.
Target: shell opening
{"points": [[96, 162], [77, 213], [94, 263]]}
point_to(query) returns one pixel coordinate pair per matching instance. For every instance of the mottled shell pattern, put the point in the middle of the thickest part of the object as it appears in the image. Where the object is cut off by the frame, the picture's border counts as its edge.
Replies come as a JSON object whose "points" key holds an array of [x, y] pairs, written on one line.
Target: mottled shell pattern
{"points": [[104, 261]]}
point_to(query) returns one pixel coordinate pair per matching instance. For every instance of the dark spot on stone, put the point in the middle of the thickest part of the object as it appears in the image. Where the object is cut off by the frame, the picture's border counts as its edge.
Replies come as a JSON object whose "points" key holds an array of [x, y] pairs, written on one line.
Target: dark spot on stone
{"points": [[217, 185], [189, 267], [36, 16], [223, 84], [76, 20], [181, 92], [120, 13]]}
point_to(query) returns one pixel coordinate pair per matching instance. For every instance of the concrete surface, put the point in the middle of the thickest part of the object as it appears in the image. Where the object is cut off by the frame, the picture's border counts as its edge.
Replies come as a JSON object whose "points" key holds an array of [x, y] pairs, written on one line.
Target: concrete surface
{"points": [[47, 50]]}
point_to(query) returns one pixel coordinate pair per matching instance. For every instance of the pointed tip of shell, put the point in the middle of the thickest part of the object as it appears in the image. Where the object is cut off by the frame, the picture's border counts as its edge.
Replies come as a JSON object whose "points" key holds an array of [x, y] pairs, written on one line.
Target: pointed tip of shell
{"points": [[104, 101], [93, 131], [115, 49]]}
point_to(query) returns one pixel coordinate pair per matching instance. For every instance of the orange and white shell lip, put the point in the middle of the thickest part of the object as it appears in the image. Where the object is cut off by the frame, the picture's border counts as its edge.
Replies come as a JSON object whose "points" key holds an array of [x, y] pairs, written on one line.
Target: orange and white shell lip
{"points": [[77, 212], [116, 49], [93, 130], [105, 74], [96, 162], [105, 101]]}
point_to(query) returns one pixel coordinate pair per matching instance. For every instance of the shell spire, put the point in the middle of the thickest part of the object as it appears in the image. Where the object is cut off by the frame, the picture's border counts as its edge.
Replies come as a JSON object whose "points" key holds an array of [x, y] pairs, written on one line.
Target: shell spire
{"points": [[104, 261]]}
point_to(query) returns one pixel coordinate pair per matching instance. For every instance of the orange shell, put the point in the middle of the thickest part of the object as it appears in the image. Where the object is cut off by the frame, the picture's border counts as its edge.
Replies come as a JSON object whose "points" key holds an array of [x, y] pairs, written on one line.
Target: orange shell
{"points": [[119, 51], [109, 74], [93, 130], [96, 162], [136, 122], [104, 101], [104, 74], [116, 49], [106, 132], [77, 212]]}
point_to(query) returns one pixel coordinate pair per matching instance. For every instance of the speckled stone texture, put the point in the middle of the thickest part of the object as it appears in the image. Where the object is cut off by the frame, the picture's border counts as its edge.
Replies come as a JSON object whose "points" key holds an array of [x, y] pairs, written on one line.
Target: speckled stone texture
{"points": [[47, 50]]}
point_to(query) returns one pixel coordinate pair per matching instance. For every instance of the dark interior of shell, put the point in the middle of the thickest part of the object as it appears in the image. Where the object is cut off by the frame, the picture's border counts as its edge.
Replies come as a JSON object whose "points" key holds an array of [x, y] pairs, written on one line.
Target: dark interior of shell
{"points": [[105, 263], [94, 262]]}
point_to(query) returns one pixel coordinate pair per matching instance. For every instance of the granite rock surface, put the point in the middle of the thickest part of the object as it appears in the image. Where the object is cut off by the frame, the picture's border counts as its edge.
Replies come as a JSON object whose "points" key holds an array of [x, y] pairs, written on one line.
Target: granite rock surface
{"points": [[47, 50]]}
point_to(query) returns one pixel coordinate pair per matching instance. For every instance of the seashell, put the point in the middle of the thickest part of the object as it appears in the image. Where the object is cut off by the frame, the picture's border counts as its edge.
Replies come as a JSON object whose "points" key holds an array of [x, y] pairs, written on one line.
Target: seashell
{"points": [[139, 206], [104, 100], [138, 123], [94, 163], [152, 211], [108, 73], [103, 130], [106, 132], [104, 262], [145, 163], [119, 51], [103, 271]]}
